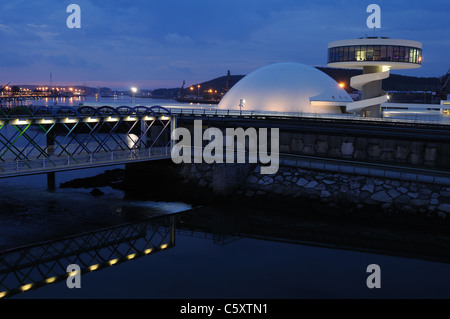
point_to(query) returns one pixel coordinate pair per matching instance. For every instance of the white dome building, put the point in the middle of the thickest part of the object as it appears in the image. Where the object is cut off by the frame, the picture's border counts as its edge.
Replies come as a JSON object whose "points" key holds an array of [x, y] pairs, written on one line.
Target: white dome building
{"points": [[287, 88]]}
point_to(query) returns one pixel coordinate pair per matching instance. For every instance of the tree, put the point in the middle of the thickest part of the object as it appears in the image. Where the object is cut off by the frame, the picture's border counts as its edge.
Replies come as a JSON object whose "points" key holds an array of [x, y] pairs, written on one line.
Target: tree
{"points": [[15, 90]]}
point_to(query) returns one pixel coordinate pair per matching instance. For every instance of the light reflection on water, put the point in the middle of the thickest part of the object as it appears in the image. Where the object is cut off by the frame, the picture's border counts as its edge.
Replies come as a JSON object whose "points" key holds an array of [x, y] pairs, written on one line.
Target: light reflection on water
{"points": [[214, 253]]}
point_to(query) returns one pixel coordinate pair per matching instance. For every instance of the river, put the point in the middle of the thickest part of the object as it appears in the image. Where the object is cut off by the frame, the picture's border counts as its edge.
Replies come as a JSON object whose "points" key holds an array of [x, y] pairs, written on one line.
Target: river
{"points": [[235, 252]]}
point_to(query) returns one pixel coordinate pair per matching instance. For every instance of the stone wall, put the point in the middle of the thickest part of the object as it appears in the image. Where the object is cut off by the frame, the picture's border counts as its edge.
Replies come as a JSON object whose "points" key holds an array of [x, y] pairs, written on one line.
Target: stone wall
{"points": [[294, 184]]}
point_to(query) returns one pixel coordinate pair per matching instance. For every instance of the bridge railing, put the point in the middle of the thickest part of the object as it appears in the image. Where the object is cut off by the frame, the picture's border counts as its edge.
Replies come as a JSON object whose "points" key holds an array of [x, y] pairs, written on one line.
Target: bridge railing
{"points": [[83, 160]]}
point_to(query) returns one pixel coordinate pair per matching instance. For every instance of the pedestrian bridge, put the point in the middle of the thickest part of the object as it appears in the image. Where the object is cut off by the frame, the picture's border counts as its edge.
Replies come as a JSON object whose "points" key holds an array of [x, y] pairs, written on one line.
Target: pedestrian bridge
{"points": [[45, 140]]}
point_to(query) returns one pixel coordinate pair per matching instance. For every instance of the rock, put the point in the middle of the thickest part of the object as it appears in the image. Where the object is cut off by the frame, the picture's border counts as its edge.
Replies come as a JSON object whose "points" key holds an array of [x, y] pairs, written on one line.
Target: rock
{"points": [[445, 208], [302, 182], [354, 185], [368, 187], [402, 190], [394, 193], [325, 194], [381, 196], [202, 183], [425, 191], [249, 193], [403, 199], [312, 184], [97, 192], [395, 183], [252, 179], [413, 195], [420, 202], [321, 187]]}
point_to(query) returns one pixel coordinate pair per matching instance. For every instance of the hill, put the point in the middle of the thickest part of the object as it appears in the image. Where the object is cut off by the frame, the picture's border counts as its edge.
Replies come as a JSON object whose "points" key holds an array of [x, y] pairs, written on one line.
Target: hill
{"points": [[216, 88]]}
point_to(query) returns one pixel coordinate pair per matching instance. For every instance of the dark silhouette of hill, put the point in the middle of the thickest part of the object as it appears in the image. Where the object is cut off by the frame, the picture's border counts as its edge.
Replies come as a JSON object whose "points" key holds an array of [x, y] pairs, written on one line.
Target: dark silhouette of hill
{"points": [[395, 82]]}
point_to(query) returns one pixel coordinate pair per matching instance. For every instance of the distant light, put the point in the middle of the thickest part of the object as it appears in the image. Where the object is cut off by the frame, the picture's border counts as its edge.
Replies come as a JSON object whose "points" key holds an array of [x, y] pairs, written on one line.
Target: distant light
{"points": [[192, 88], [134, 90], [342, 85]]}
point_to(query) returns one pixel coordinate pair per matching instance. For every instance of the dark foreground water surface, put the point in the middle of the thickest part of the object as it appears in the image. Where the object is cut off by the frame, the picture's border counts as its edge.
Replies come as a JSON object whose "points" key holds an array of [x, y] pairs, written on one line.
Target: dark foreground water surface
{"points": [[148, 249]]}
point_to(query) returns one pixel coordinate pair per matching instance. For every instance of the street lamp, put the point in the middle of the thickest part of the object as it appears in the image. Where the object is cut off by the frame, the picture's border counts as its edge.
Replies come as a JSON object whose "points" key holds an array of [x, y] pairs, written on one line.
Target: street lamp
{"points": [[198, 91], [241, 105], [133, 91]]}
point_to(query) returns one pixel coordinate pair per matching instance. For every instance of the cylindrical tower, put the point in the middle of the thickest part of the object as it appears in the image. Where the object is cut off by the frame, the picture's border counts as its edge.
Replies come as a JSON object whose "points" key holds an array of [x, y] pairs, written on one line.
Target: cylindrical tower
{"points": [[376, 57]]}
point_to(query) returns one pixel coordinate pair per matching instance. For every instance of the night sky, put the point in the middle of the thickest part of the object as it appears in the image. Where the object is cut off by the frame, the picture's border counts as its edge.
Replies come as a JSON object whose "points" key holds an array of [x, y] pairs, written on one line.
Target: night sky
{"points": [[153, 44]]}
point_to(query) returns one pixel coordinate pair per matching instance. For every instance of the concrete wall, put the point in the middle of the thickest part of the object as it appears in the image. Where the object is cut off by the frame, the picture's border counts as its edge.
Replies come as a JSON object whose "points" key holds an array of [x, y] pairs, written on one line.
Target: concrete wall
{"points": [[390, 151]]}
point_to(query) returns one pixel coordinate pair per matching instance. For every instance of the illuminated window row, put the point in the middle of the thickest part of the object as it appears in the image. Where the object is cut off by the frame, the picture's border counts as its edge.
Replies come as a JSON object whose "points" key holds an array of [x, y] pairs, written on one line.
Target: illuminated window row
{"points": [[362, 53]]}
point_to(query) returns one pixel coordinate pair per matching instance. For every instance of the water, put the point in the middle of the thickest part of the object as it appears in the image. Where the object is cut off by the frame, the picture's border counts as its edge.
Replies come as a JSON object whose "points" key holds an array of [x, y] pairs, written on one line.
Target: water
{"points": [[231, 252], [212, 252]]}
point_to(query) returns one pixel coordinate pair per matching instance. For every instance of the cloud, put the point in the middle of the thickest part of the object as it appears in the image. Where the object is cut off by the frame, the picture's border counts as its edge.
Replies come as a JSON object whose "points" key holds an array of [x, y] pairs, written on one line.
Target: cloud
{"points": [[178, 40]]}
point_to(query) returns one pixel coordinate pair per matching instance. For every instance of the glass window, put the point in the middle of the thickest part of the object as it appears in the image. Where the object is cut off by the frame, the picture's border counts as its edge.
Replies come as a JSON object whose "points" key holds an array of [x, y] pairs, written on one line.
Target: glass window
{"points": [[411, 55], [376, 53], [351, 53], [401, 54], [389, 53], [396, 54], [383, 56], [369, 53]]}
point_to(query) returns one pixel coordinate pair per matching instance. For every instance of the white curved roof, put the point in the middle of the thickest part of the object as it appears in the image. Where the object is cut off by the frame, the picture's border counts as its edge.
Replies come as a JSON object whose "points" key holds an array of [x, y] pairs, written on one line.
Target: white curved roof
{"points": [[287, 87]]}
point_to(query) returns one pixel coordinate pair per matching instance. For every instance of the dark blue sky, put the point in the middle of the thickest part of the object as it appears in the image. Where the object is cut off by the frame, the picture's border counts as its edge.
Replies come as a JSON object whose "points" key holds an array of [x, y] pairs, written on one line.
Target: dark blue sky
{"points": [[152, 44]]}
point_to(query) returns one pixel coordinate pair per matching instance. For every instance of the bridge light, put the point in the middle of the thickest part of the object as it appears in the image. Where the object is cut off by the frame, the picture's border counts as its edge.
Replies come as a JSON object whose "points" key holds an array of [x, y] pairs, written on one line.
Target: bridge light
{"points": [[131, 256], [92, 120], [164, 246], [3, 294], [46, 121], [26, 287], [69, 120], [149, 118], [113, 262], [164, 118], [21, 122], [148, 251], [50, 280], [94, 267], [130, 118], [112, 119]]}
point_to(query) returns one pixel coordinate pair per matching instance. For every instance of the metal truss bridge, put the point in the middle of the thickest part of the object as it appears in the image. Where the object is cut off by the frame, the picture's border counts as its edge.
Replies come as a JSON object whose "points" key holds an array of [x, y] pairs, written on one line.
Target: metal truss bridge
{"points": [[31, 267], [47, 139]]}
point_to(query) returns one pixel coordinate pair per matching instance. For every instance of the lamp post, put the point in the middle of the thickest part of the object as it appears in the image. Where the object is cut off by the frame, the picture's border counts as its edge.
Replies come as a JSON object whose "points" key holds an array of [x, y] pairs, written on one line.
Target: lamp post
{"points": [[241, 105], [198, 91], [133, 91]]}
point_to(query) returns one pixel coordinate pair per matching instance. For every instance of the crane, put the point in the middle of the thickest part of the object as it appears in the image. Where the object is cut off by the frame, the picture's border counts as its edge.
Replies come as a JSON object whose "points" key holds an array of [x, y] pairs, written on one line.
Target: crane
{"points": [[4, 87]]}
